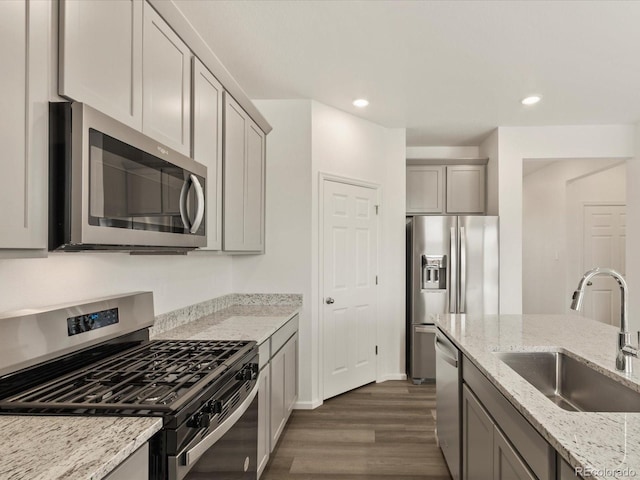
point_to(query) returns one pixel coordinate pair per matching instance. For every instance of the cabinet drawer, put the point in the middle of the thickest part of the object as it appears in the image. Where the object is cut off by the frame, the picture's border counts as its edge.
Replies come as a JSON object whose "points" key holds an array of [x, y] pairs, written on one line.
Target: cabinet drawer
{"points": [[283, 334], [533, 448], [264, 352]]}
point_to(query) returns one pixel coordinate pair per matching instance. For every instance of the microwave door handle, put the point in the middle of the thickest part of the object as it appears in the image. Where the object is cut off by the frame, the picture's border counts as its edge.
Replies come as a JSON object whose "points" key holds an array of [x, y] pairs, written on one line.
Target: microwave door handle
{"points": [[183, 203], [200, 202], [463, 270]]}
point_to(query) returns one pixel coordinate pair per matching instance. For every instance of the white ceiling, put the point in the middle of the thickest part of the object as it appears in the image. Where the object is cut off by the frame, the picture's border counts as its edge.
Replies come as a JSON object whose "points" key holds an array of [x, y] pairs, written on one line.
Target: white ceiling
{"points": [[449, 72]]}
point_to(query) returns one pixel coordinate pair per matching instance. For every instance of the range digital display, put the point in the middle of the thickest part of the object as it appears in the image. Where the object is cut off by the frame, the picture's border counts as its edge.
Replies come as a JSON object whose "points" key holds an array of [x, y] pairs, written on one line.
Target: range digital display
{"points": [[91, 321]]}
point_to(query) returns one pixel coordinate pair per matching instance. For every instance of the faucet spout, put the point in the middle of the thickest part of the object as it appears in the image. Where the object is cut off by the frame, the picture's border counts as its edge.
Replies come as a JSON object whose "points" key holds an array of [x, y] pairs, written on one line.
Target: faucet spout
{"points": [[625, 349]]}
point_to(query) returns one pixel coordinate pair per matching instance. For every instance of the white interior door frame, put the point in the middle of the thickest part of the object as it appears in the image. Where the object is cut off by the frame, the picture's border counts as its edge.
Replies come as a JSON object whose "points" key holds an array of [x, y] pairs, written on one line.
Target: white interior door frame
{"points": [[324, 177]]}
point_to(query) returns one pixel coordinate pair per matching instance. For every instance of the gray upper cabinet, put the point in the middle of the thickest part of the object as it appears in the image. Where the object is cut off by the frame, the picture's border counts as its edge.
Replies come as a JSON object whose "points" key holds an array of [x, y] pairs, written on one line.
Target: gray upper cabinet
{"points": [[465, 189], [100, 60], [166, 84], [207, 145], [24, 54], [244, 180], [425, 189]]}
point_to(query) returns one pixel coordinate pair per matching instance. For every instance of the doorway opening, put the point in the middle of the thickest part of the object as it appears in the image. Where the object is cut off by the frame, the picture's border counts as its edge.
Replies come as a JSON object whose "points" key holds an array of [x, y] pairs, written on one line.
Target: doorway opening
{"points": [[573, 220]]}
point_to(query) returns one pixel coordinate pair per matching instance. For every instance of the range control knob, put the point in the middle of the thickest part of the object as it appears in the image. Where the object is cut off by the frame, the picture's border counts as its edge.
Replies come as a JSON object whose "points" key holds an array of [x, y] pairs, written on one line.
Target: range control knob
{"points": [[213, 407], [199, 420], [245, 374]]}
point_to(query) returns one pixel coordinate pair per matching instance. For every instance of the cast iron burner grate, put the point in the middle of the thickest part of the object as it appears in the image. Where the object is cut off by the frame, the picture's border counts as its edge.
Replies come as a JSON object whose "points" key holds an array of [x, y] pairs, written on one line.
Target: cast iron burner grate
{"points": [[158, 376]]}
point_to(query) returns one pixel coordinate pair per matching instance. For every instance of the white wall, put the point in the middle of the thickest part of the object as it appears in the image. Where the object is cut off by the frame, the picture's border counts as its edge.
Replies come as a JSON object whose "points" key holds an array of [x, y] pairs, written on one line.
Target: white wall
{"points": [[286, 265], [552, 221], [176, 280], [420, 153], [633, 234], [308, 138], [348, 146], [489, 149], [518, 143]]}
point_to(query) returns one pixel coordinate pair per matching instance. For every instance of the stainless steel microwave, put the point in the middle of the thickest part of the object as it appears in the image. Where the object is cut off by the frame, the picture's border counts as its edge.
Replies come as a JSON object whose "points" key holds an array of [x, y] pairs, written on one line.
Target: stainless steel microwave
{"points": [[113, 188]]}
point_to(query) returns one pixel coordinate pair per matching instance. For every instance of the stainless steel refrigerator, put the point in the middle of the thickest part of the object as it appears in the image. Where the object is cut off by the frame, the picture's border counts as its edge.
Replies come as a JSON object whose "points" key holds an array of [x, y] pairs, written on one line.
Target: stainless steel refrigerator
{"points": [[452, 267]]}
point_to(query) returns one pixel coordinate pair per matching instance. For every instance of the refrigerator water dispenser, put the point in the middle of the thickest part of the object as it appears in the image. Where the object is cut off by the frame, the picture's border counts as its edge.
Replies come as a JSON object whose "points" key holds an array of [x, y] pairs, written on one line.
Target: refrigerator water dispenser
{"points": [[434, 272]]}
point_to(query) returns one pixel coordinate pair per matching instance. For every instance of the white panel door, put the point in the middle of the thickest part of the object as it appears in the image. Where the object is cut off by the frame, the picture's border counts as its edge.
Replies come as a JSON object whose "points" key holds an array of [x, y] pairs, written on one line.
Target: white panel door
{"points": [[166, 85], [101, 56], [349, 286], [24, 123], [604, 246]]}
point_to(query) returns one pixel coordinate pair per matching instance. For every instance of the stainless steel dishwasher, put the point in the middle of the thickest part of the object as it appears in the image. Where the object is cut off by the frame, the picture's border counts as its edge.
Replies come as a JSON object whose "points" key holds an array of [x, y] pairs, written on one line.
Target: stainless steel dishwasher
{"points": [[448, 401]]}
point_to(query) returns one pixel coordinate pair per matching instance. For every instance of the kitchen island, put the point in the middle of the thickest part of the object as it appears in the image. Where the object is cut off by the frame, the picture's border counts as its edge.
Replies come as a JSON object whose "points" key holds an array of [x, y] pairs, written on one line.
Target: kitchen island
{"points": [[600, 445]]}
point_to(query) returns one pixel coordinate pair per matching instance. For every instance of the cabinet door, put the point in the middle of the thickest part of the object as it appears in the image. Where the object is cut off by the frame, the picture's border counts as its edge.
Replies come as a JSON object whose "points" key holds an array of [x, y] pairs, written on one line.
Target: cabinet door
{"points": [[207, 145], [136, 467], [425, 189], [291, 373], [566, 471], [24, 123], [465, 188], [507, 464], [278, 406], [100, 57], [477, 439], [264, 433], [254, 194], [166, 85], [244, 180]]}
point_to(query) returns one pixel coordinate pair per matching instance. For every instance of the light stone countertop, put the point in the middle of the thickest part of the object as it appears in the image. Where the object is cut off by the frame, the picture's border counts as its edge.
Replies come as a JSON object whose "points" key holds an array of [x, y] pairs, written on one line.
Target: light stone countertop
{"points": [[89, 448], [69, 448], [598, 441], [238, 322]]}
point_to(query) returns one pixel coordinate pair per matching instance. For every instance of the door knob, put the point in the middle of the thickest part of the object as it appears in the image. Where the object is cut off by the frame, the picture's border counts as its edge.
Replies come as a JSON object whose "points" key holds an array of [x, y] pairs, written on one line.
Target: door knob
{"points": [[329, 301]]}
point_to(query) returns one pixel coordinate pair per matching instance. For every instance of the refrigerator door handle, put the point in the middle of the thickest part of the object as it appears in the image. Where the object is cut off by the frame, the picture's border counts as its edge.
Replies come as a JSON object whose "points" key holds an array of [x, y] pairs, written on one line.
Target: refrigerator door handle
{"points": [[453, 269], [463, 270]]}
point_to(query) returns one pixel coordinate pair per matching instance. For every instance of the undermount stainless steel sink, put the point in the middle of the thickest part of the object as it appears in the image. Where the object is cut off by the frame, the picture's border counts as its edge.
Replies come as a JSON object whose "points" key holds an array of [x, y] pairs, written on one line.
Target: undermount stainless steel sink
{"points": [[571, 384]]}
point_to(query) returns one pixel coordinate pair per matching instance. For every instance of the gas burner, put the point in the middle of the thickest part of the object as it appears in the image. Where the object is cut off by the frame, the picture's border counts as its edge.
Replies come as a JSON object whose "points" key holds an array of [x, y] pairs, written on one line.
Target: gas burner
{"points": [[98, 396], [156, 395]]}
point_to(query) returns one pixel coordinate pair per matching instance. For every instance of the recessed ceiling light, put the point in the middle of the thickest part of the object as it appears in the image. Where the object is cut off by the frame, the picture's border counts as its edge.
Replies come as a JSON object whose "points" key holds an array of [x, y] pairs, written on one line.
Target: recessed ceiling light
{"points": [[361, 102], [532, 100]]}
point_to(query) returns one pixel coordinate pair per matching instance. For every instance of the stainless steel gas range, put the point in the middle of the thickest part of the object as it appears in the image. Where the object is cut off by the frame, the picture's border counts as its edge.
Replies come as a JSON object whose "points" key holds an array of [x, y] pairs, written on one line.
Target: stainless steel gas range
{"points": [[95, 358]]}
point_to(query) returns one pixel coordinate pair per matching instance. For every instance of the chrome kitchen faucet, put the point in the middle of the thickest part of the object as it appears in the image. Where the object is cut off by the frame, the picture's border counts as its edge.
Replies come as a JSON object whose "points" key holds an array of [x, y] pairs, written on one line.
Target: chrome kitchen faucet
{"points": [[625, 349]]}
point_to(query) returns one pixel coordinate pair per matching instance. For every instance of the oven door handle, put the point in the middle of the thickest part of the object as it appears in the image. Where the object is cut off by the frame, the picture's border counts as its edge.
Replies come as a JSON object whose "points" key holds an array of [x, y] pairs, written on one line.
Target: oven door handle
{"points": [[189, 457]]}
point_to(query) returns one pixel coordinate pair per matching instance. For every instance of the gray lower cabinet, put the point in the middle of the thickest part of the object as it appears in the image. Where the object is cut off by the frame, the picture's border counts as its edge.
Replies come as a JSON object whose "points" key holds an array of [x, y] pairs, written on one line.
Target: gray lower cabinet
{"points": [[477, 438], [243, 180], [278, 390], [486, 453], [136, 467], [518, 451], [507, 464], [566, 471], [24, 124]]}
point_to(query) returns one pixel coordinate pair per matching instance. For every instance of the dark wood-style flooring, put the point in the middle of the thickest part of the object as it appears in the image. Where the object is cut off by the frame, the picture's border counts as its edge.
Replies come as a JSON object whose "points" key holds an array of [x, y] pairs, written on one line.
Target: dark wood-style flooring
{"points": [[379, 431]]}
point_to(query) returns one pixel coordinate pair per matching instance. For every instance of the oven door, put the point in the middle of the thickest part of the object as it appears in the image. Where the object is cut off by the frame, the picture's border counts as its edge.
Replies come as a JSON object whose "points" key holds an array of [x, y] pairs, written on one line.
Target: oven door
{"points": [[230, 451]]}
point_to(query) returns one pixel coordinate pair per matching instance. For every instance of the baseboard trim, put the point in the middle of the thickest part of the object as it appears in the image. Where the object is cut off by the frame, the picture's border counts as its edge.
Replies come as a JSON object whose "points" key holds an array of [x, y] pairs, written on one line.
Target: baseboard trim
{"points": [[313, 404], [392, 376]]}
